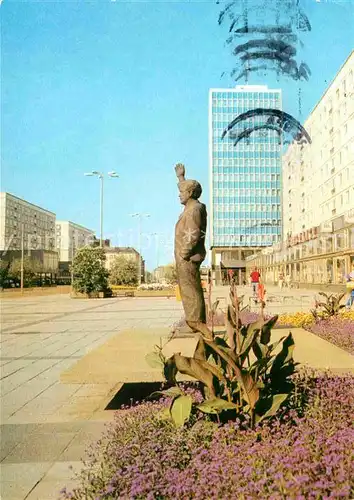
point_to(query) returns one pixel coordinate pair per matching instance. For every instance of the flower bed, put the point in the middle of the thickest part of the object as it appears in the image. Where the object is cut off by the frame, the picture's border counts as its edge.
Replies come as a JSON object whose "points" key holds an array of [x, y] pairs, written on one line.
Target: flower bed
{"points": [[304, 453], [337, 330]]}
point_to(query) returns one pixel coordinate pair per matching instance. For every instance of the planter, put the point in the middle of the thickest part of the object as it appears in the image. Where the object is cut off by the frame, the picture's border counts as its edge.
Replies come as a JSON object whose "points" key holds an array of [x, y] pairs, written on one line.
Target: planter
{"points": [[79, 295], [91, 295]]}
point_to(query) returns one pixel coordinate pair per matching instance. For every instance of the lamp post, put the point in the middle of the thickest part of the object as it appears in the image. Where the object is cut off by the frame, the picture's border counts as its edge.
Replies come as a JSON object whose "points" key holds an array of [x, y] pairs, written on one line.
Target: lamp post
{"points": [[100, 175], [140, 216]]}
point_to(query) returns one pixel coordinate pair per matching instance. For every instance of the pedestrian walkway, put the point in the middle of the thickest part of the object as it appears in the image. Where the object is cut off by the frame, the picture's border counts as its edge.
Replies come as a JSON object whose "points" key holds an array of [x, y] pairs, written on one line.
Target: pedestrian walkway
{"points": [[46, 426], [63, 360]]}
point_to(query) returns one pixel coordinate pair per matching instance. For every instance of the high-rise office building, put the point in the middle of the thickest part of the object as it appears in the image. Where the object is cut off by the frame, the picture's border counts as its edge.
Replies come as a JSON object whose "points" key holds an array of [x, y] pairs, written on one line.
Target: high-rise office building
{"points": [[245, 179]]}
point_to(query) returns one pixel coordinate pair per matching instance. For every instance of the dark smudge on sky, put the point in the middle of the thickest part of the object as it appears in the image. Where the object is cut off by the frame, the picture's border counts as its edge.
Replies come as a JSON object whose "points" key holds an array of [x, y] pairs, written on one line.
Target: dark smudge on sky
{"points": [[270, 46]]}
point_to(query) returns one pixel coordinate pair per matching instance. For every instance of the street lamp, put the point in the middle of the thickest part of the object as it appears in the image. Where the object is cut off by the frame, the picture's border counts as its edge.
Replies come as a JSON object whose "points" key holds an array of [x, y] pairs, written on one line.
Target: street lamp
{"points": [[100, 175], [140, 216]]}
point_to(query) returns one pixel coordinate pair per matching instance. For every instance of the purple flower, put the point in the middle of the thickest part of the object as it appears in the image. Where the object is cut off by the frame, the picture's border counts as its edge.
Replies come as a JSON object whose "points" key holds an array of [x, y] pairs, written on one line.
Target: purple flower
{"points": [[306, 456]]}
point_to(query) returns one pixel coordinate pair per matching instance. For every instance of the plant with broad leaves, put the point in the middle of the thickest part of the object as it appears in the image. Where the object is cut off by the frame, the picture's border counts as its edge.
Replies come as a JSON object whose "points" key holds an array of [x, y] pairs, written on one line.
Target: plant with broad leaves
{"points": [[330, 307], [243, 372]]}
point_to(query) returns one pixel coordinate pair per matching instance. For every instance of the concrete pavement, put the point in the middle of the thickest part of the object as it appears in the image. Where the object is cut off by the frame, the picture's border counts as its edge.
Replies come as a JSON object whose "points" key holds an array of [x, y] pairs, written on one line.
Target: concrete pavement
{"points": [[46, 426]]}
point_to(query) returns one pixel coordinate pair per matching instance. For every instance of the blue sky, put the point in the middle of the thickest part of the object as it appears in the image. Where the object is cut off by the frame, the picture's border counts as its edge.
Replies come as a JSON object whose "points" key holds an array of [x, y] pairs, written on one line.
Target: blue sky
{"points": [[124, 86]]}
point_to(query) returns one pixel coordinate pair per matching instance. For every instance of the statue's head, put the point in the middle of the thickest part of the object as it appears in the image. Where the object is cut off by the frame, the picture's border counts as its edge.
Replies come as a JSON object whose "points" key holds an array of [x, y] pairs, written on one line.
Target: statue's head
{"points": [[189, 189]]}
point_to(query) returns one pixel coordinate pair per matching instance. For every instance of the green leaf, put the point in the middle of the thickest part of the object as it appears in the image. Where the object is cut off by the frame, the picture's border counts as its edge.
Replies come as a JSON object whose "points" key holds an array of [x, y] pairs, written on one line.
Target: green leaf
{"points": [[170, 392], [198, 369], [200, 350], [260, 350], [267, 329], [274, 404], [225, 356], [225, 347], [165, 414], [214, 369], [153, 360], [181, 409], [249, 388], [285, 355], [252, 333], [170, 370], [260, 366], [230, 326], [273, 346], [216, 405], [231, 315]]}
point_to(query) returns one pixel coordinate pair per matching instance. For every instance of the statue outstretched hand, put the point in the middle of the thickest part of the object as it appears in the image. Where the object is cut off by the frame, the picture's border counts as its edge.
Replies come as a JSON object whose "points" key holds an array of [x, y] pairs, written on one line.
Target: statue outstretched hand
{"points": [[180, 171]]}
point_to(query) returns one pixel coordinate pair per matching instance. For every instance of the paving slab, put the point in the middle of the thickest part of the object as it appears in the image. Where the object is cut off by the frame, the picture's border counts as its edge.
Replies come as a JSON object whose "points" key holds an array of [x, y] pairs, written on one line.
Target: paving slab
{"points": [[59, 475], [46, 449], [11, 435], [317, 353], [17, 480], [122, 358]]}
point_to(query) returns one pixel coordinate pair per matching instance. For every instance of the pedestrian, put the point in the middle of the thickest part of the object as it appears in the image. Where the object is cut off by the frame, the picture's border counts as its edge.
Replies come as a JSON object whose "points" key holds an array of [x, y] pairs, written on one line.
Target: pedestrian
{"points": [[350, 289], [281, 279], [255, 277], [288, 280]]}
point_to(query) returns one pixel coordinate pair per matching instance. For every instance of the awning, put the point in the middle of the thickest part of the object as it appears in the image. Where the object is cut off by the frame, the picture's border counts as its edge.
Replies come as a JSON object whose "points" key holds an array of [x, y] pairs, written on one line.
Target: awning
{"points": [[233, 264]]}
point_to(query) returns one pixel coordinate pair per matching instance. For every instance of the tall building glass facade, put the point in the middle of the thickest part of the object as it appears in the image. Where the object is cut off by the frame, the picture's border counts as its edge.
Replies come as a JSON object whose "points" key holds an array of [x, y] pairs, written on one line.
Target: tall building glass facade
{"points": [[245, 180]]}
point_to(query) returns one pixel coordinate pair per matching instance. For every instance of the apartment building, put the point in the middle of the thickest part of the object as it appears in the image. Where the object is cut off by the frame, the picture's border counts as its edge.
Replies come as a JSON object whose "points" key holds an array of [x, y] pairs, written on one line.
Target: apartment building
{"points": [[318, 193], [319, 177], [34, 226], [70, 237]]}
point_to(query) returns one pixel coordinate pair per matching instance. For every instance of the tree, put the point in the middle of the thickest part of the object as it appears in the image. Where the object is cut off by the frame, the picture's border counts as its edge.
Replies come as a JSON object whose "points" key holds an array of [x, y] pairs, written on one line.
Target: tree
{"points": [[4, 272], [123, 271], [170, 273], [31, 267], [89, 273]]}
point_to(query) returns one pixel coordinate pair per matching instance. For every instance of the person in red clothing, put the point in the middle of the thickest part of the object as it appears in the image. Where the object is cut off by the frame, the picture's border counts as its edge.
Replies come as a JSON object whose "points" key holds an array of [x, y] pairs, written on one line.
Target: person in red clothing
{"points": [[255, 277]]}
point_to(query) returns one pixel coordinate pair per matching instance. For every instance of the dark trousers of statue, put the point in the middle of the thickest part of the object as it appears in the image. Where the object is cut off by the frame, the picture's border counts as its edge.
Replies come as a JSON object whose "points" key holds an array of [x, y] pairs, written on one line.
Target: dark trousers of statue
{"points": [[191, 290]]}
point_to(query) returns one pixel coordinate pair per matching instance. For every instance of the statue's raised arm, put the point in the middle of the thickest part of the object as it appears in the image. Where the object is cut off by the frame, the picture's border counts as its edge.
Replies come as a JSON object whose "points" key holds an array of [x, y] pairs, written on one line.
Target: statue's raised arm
{"points": [[180, 172]]}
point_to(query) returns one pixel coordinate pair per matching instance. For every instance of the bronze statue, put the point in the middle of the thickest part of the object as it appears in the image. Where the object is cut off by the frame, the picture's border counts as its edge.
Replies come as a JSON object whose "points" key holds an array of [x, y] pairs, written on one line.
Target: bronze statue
{"points": [[190, 252]]}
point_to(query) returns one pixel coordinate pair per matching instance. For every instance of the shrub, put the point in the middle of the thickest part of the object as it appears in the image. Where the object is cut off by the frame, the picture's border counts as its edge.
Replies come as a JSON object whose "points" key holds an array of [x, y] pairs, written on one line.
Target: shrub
{"points": [[31, 267], [123, 271], [89, 272], [330, 307]]}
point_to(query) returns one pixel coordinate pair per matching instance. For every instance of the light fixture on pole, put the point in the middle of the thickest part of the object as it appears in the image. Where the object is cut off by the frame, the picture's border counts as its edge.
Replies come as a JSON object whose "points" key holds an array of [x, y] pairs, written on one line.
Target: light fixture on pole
{"points": [[100, 175], [140, 216]]}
